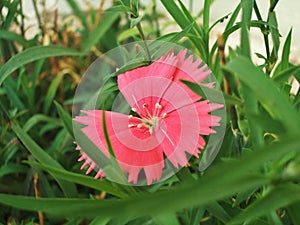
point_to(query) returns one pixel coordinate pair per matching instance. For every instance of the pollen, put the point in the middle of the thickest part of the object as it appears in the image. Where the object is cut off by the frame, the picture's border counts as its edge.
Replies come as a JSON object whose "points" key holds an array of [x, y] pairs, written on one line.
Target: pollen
{"points": [[158, 106]]}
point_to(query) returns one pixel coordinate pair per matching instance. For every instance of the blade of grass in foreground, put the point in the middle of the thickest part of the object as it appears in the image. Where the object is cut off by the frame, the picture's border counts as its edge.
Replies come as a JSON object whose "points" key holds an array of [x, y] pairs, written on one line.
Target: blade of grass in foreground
{"points": [[222, 180], [100, 185]]}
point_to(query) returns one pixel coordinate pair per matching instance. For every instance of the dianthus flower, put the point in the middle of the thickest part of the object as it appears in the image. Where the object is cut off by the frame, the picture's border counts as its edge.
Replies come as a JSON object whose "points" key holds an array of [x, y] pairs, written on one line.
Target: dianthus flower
{"points": [[167, 121]]}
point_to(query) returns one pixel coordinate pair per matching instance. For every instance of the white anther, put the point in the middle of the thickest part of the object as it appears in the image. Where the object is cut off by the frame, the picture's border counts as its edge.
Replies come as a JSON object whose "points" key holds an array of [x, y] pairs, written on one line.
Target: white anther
{"points": [[130, 125], [144, 105], [164, 115], [139, 125], [158, 106], [133, 109], [130, 116]]}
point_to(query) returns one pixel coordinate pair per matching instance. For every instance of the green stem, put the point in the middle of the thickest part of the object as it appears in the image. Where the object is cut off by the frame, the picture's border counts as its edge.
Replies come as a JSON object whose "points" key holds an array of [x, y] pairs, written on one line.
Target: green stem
{"points": [[38, 16], [22, 19], [273, 5], [206, 16], [139, 27], [263, 30], [155, 18]]}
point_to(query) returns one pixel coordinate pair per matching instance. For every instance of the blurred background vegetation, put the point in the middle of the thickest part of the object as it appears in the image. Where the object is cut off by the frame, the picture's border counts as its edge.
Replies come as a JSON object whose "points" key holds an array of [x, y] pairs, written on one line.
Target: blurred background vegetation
{"points": [[255, 177]]}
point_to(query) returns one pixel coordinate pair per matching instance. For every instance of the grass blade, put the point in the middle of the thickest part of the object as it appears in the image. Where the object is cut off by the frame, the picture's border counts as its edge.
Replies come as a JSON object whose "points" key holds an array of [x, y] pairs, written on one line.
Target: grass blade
{"points": [[101, 185], [108, 18], [219, 181], [33, 54], [52, 91], [275, 103], [37, 118], [66, 118], [279, 197], [68, 188], [8, 35]]}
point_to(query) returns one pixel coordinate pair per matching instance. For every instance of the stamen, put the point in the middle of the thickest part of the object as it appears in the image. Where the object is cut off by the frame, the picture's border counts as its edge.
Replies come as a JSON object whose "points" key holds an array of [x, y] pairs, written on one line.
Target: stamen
{"points": [[145, 106], [139, 125], [131, 125], [164, 115], [133, 109], [130, 116], [158, 106]]}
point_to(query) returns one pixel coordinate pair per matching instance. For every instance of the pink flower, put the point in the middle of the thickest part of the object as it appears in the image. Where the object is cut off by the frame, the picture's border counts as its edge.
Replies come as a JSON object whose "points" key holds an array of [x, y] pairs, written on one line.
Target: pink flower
{"points": [[170, 120]]}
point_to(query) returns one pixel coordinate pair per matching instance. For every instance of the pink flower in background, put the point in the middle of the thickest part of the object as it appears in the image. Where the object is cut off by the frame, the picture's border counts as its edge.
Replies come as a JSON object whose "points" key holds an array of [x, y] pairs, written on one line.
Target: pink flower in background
{"points": [[171, 118]]}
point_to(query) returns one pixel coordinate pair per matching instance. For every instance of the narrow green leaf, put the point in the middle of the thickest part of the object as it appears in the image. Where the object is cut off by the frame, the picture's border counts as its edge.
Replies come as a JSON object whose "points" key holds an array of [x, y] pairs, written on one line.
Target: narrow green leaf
{"points": [[230, 28], [214, 95], [79, 13], [286, 52], [278, 197], [176, 13], [38, 118], [189, 16], [184, 22], [12, 11], [129, 66], [218, 211], [196, 214], [13, 97], [65, 117], [107, 20], [135, 21], [12, 168], [206, 16], [247, 6], [131, 32], [221, 20], [274, 102], [284, 75], [52, 92], [38, 153], [274, 218], [274, 33], [33, 54], [293, 211], [120, 9], [204, 91], [87, 181], [175, 36], [8, 35]]}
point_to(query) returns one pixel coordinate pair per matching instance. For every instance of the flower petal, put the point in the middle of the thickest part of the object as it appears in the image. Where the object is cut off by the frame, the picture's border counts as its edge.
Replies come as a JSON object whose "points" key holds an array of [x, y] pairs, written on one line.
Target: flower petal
{"points": [[133, 154]]}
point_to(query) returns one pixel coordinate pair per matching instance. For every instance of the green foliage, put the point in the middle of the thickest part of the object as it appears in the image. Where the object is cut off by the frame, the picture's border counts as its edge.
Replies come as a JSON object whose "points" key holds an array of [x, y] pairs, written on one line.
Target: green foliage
{"points": [[255, 177]]}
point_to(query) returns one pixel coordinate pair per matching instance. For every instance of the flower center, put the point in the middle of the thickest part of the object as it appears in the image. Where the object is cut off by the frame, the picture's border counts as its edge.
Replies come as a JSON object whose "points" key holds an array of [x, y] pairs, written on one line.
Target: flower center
{"points": [[148, 120], [151, 123]]}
